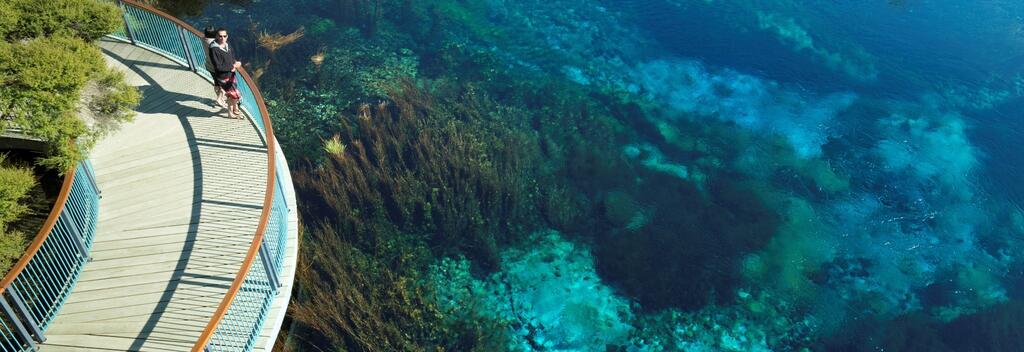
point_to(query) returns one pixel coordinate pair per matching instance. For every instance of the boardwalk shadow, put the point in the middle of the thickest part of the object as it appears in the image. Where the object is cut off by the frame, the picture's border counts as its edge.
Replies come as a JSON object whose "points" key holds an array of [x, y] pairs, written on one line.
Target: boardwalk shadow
{"points": [[157, 100]]}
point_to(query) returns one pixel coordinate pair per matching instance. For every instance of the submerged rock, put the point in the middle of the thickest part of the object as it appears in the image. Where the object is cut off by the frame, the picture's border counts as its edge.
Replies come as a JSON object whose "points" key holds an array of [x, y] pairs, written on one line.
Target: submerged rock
{"points": [[547, 292]]}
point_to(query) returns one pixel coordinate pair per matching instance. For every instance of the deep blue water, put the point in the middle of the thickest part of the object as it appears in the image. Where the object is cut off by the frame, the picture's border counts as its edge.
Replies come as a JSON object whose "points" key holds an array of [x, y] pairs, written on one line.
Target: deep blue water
{"points": [[966, 41], [920, 47], [964, 58]]}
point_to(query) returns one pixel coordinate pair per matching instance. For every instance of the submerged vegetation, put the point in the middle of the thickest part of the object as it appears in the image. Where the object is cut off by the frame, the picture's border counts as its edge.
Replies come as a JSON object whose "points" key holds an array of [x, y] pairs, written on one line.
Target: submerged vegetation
{"points": [[419, 177], [467, 167]]}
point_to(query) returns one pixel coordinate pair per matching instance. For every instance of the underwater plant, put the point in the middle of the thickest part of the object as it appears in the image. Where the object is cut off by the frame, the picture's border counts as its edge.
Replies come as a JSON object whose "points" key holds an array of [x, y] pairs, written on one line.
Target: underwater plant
{"points": [[689, 255], [362, 14], [274, 41], [334, 146], [419, 178], [318, 59]]}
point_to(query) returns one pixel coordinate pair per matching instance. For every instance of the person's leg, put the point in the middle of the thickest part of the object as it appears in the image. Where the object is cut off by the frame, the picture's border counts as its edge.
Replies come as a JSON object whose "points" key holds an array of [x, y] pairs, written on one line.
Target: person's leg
{"points": [[218, 92], [221, 99], [233, 111]]}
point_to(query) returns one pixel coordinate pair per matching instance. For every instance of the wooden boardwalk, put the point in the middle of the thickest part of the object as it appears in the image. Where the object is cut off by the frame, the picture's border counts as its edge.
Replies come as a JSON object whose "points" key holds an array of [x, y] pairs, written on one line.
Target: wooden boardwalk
{"points": [[182, 191]]}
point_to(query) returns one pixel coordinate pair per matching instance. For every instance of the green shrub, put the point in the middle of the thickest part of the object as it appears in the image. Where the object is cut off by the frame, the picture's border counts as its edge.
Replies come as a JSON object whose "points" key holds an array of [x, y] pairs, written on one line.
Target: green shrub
{"points": [[52, 74], [15, 184], [111, 100], [88, 20], [12, 245], [47, 73], [43, 81], [8, 18]]}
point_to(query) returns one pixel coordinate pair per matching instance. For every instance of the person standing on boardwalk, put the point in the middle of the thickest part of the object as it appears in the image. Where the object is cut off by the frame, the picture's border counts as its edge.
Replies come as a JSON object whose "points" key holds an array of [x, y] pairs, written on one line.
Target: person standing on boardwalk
{"points": [[211, 41], [225, 66]]}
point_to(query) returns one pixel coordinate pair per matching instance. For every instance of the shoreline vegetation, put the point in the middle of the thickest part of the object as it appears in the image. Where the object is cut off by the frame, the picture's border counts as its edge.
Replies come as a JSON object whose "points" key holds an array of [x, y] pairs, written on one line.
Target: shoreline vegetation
{"points": [[18, 211], [56, 88], [512, 175]]}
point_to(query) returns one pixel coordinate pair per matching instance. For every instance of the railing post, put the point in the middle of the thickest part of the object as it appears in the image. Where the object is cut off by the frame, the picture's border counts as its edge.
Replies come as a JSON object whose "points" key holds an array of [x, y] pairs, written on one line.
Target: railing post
{"points": [[87, 166], [268, 265], [76, 234], [127, 27], [17, 323], [284, 200], [188, 52], [20, 304]]}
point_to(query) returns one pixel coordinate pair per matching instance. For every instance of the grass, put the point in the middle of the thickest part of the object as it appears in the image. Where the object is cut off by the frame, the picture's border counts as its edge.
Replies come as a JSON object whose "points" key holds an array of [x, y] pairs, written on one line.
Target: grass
{"points": [[334, 146]]}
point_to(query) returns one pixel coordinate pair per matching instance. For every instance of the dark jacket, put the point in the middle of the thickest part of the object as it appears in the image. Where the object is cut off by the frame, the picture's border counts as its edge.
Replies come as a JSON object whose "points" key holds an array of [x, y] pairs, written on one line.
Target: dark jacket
{"points": [[223, 61]]}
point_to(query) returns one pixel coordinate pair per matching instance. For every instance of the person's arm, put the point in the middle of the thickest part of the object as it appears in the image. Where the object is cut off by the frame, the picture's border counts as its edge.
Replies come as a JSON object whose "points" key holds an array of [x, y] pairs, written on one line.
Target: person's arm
{"points": [[235, 64]]}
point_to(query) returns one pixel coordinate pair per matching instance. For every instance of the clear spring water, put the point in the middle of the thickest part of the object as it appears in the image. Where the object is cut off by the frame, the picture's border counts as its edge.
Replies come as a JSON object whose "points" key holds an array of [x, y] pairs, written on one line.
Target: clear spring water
{"points": [[898, 187]]}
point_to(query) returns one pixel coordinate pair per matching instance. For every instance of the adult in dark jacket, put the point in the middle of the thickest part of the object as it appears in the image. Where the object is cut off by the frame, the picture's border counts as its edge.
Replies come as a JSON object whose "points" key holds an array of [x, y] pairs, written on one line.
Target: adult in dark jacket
{"points": [[209, 40], [225, 65]]}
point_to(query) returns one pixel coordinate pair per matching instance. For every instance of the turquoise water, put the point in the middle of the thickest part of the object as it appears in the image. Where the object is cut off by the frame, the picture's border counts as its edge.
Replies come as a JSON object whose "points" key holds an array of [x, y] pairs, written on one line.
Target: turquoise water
{"points": [[745, 175]]}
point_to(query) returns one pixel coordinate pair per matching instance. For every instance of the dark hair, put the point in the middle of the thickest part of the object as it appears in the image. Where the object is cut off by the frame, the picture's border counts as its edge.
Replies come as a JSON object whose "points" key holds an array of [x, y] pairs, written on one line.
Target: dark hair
{"points": [[210, 33], [222, 29]]}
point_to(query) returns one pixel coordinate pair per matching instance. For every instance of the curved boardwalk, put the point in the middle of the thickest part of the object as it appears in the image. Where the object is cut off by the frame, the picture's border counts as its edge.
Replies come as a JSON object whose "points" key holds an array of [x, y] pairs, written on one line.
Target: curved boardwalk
{"points": [[182, 192]]}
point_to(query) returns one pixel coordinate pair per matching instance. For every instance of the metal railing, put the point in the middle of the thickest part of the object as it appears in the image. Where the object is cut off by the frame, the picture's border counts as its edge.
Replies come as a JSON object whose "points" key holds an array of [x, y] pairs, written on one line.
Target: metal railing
{"points": [[34, 290], [239, 319]]}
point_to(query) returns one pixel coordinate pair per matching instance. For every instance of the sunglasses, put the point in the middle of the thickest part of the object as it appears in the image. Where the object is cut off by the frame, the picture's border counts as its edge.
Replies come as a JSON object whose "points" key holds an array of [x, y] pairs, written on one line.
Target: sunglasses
{"points": [[222, 36]]}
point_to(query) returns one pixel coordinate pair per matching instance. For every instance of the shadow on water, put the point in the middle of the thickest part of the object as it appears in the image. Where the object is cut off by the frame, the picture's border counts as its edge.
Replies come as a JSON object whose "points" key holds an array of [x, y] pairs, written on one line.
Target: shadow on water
{"points": [[691, 235]]}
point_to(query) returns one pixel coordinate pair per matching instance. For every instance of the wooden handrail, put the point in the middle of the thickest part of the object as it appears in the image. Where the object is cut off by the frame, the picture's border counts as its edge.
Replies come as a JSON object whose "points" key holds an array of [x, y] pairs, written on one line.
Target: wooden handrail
{"points": [[268, 197], [44, 232], [257, 241]]}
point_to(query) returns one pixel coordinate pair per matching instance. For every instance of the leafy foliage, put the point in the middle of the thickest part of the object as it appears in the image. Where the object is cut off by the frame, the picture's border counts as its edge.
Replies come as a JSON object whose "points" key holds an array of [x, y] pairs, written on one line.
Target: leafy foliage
{"points": [[85, 19], [52, 74], [15, 184], [420, 177]]}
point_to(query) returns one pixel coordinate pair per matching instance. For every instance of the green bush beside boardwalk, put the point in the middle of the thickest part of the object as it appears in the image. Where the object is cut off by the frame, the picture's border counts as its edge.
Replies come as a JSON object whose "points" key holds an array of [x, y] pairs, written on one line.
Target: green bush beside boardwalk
{"points": [[54, 86], [15, 184], [53, 74]]}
